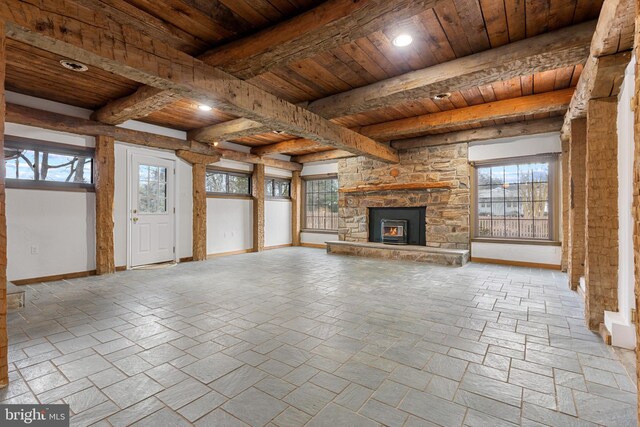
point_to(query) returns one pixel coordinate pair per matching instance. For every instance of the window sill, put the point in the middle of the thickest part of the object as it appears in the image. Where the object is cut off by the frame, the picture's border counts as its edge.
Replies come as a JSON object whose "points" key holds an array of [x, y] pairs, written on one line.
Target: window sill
{"points": [[278, 199], [49, 186], [319, 231], [228, 196], [517, 241]]}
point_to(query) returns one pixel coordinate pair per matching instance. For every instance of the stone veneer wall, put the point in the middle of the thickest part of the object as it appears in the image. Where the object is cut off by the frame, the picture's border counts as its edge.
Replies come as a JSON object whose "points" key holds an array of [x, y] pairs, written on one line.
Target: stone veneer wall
{"points": [[447, 213]]}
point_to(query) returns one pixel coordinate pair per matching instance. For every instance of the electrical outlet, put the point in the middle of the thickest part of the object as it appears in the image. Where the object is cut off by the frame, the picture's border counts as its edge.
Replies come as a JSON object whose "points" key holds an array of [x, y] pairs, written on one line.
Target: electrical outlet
{"points": [[35, 250]]}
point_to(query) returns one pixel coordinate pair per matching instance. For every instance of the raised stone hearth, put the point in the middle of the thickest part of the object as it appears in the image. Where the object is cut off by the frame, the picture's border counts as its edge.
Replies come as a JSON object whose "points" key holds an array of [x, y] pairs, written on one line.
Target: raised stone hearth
{"points": [[455, 257]]}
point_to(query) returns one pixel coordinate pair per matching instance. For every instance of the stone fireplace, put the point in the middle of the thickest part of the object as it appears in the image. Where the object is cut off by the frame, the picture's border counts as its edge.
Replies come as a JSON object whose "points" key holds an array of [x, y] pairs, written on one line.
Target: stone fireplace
{"points": [[446, 210]]}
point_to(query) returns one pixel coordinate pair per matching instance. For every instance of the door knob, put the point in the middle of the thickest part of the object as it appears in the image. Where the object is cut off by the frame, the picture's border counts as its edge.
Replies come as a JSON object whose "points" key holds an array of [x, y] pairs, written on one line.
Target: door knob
{"points": [[135, 220]]}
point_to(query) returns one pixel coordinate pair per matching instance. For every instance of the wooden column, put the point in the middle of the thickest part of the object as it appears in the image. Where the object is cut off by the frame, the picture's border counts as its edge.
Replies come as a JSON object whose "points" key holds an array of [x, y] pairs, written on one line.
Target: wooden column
{"points": [[636, 194], [199, 164], [257, 182], [4, 342], [199, 212], [566, 188], [577, 214], [296, 202], [105, 181], [601, 231]]}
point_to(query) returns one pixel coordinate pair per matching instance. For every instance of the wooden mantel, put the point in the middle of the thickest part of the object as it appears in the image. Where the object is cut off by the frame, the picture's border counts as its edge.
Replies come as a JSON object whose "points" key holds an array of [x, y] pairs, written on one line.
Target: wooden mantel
{"points": [[438, 185]]}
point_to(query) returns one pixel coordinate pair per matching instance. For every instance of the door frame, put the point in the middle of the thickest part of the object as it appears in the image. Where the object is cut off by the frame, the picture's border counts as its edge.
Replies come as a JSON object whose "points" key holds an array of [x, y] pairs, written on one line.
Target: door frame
{"points": [[130, 152]]}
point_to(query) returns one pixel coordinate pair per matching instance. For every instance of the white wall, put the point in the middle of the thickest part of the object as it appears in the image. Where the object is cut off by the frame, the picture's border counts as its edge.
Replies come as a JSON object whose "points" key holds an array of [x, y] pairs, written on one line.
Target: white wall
{"points": [[516, 147], [277, 222], [48, 232], [619, 323], [229, 225]]}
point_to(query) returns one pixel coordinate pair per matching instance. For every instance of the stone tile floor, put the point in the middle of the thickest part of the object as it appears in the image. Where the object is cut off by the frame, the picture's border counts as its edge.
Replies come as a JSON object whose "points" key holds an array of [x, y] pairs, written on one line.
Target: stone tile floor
{"points": [[296, 337]]}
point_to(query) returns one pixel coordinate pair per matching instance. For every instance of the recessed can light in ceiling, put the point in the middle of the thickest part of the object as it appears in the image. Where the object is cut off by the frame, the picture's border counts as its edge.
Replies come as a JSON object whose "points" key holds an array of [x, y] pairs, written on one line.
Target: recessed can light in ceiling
{"points": [[402, 40], [73, 65], [204, 107]]}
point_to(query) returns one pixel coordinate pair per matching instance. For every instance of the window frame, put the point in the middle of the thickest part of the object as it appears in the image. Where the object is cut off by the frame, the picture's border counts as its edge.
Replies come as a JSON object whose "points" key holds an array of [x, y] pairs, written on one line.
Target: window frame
{"points": [[275, 179], [227, 194], [303, 191], [16, 142], [554, 194]]}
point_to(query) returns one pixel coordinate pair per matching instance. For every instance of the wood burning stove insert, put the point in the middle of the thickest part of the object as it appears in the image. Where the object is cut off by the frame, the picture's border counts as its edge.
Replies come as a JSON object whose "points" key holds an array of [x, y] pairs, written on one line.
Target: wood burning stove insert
{"points": [[394, 231], [413, 220]]}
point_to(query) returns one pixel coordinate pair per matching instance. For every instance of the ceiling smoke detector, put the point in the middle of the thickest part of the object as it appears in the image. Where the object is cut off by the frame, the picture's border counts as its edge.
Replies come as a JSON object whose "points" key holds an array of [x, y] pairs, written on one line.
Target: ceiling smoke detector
{"points": [[442, 96], [73, 66]]}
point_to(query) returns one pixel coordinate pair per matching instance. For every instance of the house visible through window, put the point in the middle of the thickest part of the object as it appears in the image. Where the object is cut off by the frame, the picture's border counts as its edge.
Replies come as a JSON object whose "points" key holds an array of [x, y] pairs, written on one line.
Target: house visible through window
{"points": [[321, 204], [223, 182], [37, 164], [514, 199], [277, 188]]}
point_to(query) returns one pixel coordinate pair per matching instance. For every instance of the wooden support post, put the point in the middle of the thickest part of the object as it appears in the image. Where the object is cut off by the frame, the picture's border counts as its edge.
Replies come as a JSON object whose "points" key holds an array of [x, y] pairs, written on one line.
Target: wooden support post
{"points": [[636, 192], [199, 212], [296, 195], [577, 214], [257, 182], [105, 181], [565, 204], [4, 342], [601, 231]]}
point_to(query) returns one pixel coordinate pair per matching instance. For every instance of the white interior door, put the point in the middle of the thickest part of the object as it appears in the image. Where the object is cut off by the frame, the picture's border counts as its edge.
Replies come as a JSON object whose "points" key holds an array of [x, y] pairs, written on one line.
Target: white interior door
{"points": [[152, 213]]}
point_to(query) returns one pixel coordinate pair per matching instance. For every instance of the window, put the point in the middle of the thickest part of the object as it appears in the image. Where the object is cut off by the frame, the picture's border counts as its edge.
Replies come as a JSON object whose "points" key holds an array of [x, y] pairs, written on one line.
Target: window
{"points": [[515, 199], [152, 189], [321, 203], [39, 164], [222, 182], [277, 188]]}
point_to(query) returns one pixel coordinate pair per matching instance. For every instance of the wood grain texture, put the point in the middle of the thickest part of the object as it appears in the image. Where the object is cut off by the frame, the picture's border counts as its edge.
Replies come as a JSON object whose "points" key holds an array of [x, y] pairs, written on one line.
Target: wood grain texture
{"points": [[141, 103], [59, 122], [322, 156], [398, 187], [290, 146], [562, 48], [257, 160], [577, 213], [257, 184], [566, 188], [105, 171], [296, 207], [533, 127], [533, 104], [4, 341], [166, 68], [601, 206], [196, 158], [608, 57], [636, 192], [199, 212]]}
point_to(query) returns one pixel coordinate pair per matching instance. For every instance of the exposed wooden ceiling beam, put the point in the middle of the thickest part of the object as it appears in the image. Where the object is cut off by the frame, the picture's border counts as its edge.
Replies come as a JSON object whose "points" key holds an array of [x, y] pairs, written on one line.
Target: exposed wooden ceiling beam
{"points": [[62, 123], [141, 103], [322, 156], [604, 71], [163, 67], [533, 127], [290, 146], [257, 160], [331, 24], [196, 158], [549, 51], [533, 104]]}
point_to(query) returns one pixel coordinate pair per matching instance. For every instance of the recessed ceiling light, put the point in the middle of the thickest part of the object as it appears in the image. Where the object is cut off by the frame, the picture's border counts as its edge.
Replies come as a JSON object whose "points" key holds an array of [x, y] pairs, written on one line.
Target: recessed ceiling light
{"points": [[442, 96], [204, 107], [215, 144], [402, 40], [73, 66]]}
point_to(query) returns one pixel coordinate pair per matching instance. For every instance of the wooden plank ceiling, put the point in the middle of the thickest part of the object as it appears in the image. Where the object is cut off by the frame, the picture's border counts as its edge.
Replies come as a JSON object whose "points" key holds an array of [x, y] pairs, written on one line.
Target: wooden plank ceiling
{"points": [[452, 29]]}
